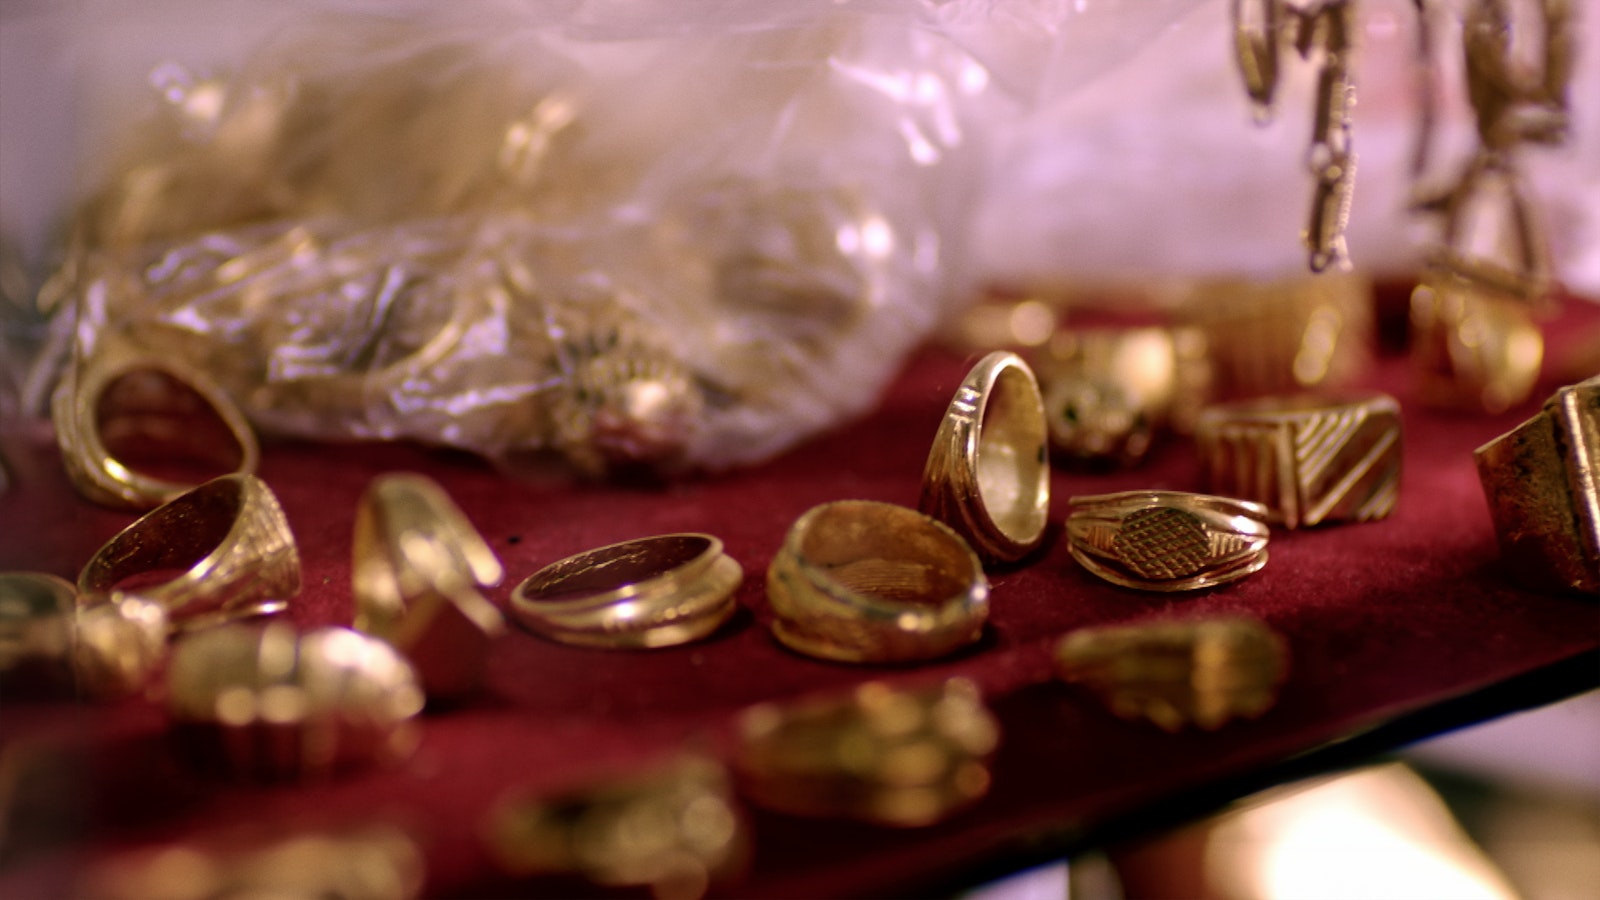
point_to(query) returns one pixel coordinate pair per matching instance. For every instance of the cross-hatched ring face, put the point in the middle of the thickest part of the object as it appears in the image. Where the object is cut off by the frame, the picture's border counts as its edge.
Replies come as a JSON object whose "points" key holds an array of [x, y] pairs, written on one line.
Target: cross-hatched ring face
{"points": [[1167, 540], [1162, 543]]}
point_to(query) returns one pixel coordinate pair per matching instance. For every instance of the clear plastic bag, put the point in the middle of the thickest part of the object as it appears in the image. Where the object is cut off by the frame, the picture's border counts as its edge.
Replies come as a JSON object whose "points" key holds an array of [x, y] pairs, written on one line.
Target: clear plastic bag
{"points": [[629, 235]]}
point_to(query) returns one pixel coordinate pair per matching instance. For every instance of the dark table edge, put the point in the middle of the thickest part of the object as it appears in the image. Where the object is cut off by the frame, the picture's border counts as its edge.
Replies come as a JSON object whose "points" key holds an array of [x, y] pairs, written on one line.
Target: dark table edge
{"points": [[1539, 687]]}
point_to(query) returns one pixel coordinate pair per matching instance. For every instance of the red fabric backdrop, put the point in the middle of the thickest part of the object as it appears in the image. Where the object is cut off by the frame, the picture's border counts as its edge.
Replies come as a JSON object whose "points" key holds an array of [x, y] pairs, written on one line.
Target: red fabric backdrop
{"points": [[1387, 622]]}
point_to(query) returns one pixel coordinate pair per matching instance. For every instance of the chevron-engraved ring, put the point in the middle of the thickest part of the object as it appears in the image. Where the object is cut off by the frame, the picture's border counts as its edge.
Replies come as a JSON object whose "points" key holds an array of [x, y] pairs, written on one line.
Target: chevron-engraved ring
{"points": [[1167, 540], [1309, 459]]}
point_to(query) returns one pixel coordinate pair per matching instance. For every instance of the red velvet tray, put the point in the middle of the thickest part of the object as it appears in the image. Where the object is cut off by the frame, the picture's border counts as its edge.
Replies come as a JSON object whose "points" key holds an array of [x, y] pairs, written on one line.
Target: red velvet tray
{"points": [[1396, 628]]}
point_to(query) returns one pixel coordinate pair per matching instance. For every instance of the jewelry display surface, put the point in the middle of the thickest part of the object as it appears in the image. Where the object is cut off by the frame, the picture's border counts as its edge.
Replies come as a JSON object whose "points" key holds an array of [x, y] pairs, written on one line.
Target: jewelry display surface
{"points": [[1394, 628]]}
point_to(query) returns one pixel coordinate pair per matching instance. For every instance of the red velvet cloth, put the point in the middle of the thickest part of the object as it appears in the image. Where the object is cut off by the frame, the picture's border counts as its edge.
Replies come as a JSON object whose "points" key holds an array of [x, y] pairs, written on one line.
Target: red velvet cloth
{"points": [[1384, 620]]}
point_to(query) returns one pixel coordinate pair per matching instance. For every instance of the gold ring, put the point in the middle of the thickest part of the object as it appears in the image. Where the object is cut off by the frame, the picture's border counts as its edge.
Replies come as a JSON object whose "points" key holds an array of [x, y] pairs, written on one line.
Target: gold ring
{"points": [[1472, 348], [988, 474], [1167, 540], [1309, 459], [417, 569], [370, 860], [1542, 480], [36, 612], [230, 538], [105, 650], [266, 702], [675, 828], [650, 592], [1203, 672], [894, 756], [124, 391], [863, 581], [1108, 390]]}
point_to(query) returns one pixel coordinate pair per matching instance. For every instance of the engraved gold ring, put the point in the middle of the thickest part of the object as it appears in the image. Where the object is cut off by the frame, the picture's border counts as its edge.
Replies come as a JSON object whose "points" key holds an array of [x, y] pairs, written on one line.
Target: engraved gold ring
{"points": [[863, 581], [650, 592], [1308, 458], [227, 538], [988, 474], [1167, 540]]}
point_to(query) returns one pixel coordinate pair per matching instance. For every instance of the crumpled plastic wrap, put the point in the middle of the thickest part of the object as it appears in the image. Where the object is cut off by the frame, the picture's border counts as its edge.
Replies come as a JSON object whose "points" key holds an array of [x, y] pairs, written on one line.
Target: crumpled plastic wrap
{"points": [[682, 239]]}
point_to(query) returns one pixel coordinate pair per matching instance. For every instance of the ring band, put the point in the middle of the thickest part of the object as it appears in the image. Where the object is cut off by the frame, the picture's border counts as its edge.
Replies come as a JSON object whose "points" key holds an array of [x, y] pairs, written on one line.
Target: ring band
{"points": [[1307, 459], [988, 473], [1542, 481], [417, 568], [1167, 540], [76, 410], [863, 581], [651, 592], [229, 536]]}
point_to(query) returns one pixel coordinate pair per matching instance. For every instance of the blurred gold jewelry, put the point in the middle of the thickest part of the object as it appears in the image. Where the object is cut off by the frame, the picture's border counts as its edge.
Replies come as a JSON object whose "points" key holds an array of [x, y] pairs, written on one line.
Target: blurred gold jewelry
{"points": [[988, 475], [1308, 458], [36, 612], [1167, 540], [650, 592], [230, 538], [863, 581], [1256, 37], [1202, 672], [266, 702], [1106, 390], [894, 756], [148, 384], [1472, 348], [418, 567], [104, 650], [675, 829], [1542, 480], [1283, 335], [371, 862]]}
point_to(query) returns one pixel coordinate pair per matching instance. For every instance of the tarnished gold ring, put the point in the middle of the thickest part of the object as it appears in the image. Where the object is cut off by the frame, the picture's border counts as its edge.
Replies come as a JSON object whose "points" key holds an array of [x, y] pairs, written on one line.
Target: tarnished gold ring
{"points": [[417, 569], [231, 541], [988, 473], [649, 592], [1167, 540], [1307, 458], [863, 581], [1542, 480], [79, 421]]}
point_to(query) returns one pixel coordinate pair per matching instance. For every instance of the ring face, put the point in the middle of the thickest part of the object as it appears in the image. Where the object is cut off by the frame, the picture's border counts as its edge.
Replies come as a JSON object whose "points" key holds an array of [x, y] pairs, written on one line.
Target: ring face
{"points": [[651, 592], [230, 538], [417, 568], [1308, 459], [76, 411], [863, 581], [1542, 481], [988, 473], [1167, 540]]}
